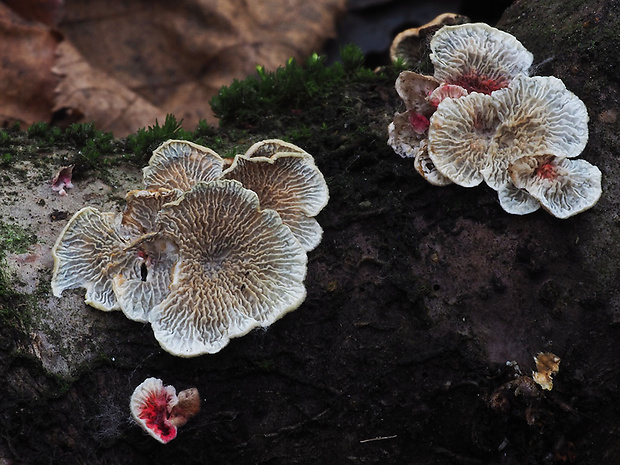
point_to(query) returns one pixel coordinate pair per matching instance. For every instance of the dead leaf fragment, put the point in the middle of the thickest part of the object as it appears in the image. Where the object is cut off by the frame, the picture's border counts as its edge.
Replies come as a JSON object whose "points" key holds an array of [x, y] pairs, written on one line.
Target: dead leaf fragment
{"points": [[26, 59], [91, 95], [175, 56], [547, 364]]}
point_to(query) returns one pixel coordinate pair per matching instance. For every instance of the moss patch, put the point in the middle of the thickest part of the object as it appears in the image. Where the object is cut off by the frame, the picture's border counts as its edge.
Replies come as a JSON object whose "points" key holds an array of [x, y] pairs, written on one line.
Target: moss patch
{"points": [[14, 306]]}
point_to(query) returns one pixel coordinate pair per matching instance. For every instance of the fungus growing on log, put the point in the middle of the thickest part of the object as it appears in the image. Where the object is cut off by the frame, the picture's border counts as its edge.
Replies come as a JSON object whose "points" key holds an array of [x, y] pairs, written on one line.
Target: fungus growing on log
{"points": [[480, 117], [563, 186], [289, 183], [476, 137], [159, 411], [203, 261], [181, 164], [478, 57], [89, 251], [239, 267]]}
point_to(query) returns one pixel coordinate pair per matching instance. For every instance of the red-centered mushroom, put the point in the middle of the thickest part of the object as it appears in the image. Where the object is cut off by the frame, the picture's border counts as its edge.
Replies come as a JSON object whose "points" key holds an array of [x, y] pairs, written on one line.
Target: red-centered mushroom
{"points": [[151, 404], [478, 57], [563, 186]]}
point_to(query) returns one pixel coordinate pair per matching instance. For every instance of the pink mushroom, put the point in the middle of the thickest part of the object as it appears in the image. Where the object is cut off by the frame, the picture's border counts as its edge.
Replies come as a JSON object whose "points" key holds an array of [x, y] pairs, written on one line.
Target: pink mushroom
{"points": [[158, 410], [62, 180]]}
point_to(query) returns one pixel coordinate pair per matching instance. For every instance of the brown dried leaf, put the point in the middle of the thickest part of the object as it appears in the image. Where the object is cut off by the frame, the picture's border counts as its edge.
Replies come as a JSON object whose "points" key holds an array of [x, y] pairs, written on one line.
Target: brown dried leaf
{"points": [[26, 59], [177, 56], [88, 94], [45, 11]]}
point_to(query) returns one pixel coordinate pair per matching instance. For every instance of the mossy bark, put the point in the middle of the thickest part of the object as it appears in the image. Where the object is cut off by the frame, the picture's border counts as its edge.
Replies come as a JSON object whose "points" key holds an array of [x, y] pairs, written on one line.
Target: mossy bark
{"points": [[418, 296]]}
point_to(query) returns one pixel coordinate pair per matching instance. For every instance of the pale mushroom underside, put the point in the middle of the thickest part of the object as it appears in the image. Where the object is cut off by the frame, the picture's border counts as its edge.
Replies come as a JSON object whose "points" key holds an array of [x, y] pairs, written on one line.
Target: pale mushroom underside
{"points": [[563, 186], [179, 164], [239, 267], [478, 57], [88, 252], [476, 137], [289, 183], [149, 395]]}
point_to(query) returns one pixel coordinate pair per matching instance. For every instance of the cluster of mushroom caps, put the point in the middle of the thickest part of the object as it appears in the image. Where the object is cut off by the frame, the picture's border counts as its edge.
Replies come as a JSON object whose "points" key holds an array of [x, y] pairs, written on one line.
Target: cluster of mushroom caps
{"points": [[206, 251], [482, 117]]}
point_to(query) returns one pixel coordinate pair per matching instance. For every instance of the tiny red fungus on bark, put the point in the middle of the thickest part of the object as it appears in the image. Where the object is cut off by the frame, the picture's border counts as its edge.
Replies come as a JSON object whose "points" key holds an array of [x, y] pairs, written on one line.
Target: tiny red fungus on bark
{"points": [[159, 411]]}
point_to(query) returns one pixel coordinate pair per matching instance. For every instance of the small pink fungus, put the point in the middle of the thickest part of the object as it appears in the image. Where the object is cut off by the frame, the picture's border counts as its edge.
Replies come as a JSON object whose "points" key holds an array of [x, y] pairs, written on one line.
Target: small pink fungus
{"points": [[158, 410], [419, 122], [62, 180]]}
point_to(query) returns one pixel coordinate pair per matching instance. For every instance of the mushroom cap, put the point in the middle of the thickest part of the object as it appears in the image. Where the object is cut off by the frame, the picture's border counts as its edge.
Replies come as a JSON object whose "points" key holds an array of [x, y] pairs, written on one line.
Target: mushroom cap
{"points": [[181, 164], [563, 186], [476, 137], [405, 141], [269, 147], [424, 165], [151, 404], [88, 252], [516, 201], [410, 45], [289, 183], [414, 89], [145, 279], [239, 267], [478, 57], [445, 91], [460, 137], [142, 206]]}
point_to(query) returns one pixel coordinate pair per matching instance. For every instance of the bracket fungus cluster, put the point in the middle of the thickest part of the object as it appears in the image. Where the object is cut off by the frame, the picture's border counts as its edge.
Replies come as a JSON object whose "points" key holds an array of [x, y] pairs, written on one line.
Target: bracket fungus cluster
{"points": [[160, 411], [482, 117], [205, 252]]}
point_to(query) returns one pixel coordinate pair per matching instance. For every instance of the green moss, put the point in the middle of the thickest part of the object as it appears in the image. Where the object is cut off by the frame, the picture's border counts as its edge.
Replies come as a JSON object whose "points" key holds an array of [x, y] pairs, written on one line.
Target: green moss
{"points": [[289, 88], [145, 140], [15, 239]]}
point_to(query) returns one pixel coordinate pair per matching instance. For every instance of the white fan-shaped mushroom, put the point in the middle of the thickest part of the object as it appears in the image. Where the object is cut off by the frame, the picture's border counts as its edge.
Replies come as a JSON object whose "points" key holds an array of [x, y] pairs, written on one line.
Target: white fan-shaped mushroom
{"points": [[460, 137], [563, 186], [478, 57], [88, 252], [150, 405], [289, 183], [239, 267], [179, 164], [476, 137]]}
